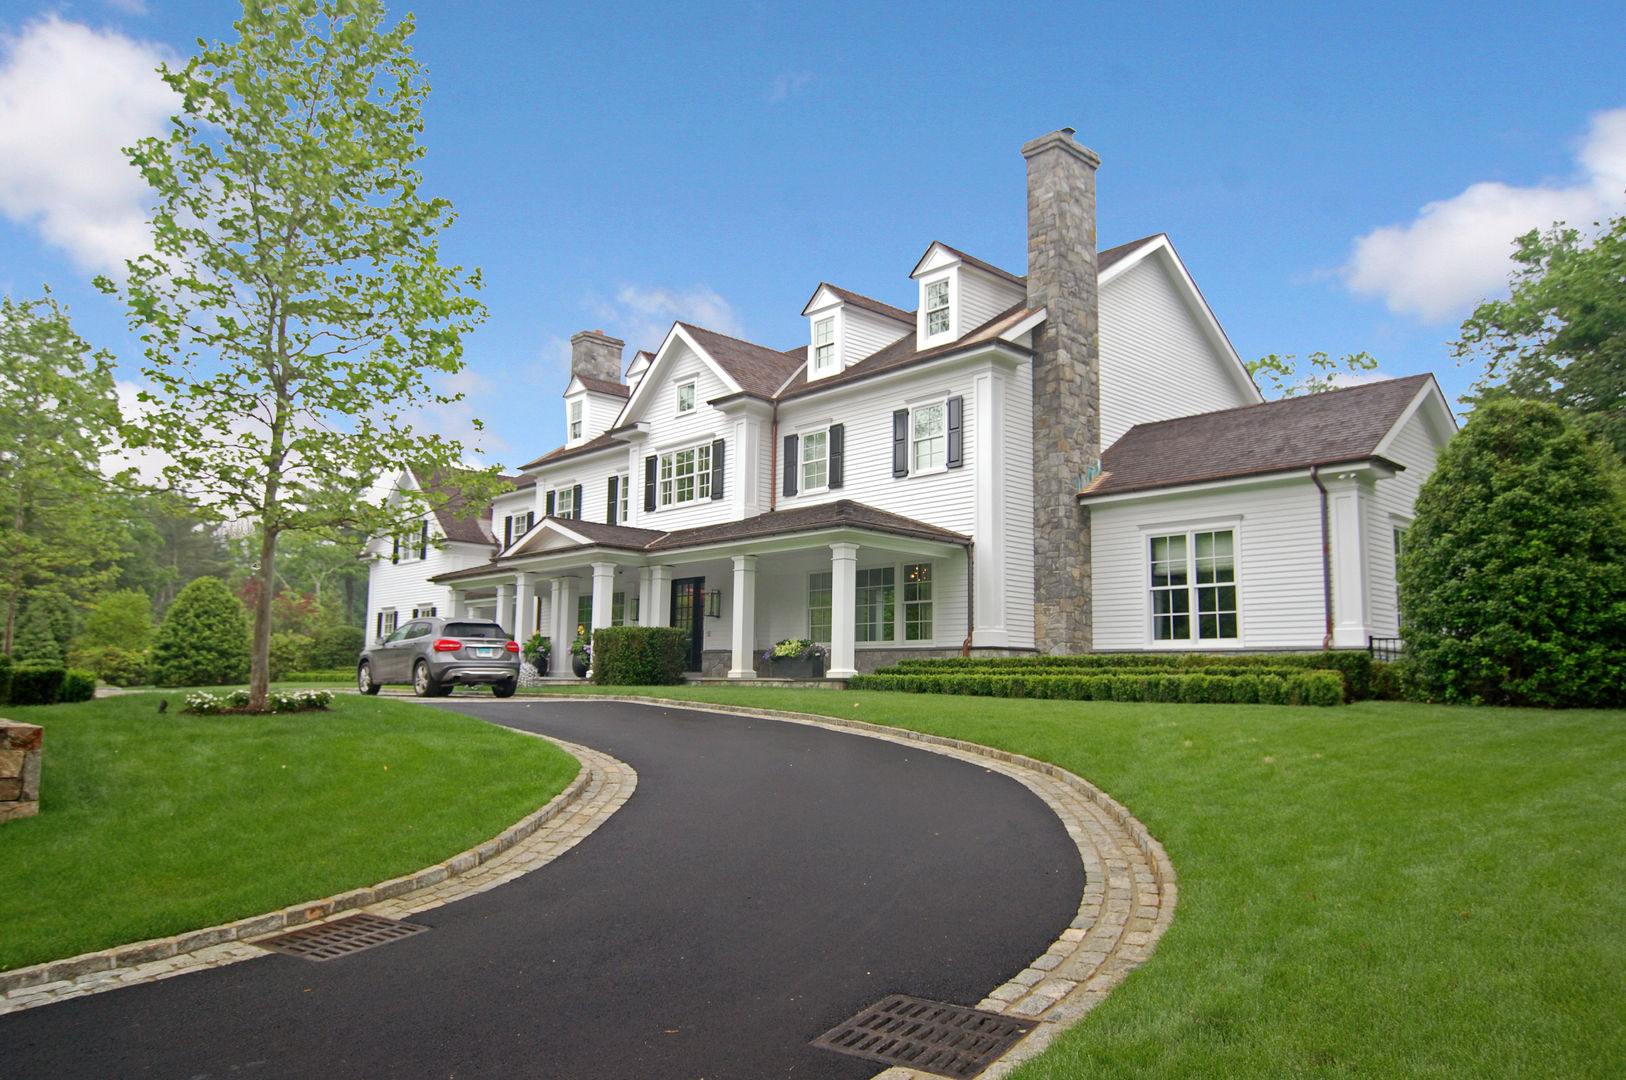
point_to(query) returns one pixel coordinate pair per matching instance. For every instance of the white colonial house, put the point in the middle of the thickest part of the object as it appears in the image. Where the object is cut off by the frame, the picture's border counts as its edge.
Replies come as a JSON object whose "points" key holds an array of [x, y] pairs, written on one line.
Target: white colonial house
{"points": [[1075, 459]]}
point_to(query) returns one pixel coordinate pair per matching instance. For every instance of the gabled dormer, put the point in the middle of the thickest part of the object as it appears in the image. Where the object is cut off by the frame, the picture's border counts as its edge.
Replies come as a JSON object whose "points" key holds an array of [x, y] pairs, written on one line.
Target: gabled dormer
{"points": [[596, 394], [846, 327], [640, 364], [959, 293]]}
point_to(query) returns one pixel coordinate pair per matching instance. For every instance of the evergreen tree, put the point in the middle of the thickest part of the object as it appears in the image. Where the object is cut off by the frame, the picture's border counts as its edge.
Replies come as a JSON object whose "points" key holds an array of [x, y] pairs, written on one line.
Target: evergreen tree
{"points": [[203, 640], [36, 635]]}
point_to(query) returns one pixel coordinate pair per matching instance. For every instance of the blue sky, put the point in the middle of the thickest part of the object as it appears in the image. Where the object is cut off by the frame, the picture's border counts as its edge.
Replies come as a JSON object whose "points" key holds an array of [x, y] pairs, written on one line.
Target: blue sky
{"points": [[1340, 177]]}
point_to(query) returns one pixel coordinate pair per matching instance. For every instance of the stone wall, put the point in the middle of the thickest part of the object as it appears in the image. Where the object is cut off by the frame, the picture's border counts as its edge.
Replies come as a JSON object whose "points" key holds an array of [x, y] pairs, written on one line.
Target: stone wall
{"points": [[19, 769]]}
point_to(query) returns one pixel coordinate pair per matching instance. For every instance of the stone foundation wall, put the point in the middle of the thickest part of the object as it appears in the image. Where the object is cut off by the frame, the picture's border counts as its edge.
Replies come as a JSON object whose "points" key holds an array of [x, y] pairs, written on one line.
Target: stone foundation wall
{"points": [[20, 749]]}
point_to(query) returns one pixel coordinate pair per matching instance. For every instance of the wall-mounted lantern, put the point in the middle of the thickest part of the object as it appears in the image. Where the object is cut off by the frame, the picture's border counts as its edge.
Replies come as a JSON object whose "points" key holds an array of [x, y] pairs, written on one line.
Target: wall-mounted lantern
{"points": [[714, 604]]}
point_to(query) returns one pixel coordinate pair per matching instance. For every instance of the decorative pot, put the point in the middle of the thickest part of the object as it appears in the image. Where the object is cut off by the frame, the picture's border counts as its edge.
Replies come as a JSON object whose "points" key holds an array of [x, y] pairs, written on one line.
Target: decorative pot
{"points": [[578, 664], [540, 662]]}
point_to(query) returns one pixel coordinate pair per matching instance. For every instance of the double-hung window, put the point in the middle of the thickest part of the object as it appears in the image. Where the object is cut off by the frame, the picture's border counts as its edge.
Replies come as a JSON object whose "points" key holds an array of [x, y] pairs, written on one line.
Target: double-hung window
{"points": [[824, 344], [877, 604], [686, 475], [937, 308], [575, 419], [928, 436], [819, 593], [685, 397], [815, 460], [623, 483], [564, 504], [917, 602], [1193, 586]]}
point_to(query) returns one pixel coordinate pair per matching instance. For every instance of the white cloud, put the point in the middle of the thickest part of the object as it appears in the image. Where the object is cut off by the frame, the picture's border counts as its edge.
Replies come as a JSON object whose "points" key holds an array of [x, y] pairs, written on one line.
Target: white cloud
{"points": [[458, 419], [787, 83], [70, 99], [128, 7], [1458, 250], [640, 315]]}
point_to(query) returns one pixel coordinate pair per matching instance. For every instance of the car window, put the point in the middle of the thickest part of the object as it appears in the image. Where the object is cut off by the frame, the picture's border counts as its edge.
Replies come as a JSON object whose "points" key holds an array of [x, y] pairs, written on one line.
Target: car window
{"points": [[399, 634], [417, 629], [475, 630]]}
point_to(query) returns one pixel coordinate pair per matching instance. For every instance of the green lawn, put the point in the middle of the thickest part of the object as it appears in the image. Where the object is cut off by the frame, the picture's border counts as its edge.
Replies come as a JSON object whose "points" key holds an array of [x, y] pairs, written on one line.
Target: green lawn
{"points": [[1378, 890], [150, 825]]}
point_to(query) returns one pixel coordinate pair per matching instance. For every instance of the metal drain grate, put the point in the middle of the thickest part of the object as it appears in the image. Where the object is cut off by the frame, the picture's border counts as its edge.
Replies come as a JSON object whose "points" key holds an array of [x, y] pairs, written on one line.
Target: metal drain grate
{"points": [[341, 937], [948, 1040]]}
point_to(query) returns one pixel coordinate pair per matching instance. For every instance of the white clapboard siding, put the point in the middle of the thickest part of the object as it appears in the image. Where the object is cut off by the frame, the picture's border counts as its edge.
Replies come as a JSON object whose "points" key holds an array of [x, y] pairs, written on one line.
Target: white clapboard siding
{"points": [[864, 333], [983, 295], [405, 585], [1394, 500], [1016, 499]]}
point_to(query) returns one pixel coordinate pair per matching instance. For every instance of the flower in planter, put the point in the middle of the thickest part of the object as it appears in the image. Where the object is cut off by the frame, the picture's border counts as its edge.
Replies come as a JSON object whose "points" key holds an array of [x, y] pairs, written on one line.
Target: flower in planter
{"points": [[794, 649], [582, 647]]}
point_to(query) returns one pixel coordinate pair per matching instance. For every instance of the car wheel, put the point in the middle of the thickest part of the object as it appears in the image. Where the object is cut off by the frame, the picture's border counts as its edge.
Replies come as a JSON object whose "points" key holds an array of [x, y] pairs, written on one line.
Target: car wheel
{"points": [[423, 683], [364, 679], [505, 689]]}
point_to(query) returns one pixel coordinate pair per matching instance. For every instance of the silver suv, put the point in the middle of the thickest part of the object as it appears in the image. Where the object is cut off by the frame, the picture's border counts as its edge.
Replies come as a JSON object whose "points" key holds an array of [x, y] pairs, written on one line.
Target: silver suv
{"points": [[434, 655]]}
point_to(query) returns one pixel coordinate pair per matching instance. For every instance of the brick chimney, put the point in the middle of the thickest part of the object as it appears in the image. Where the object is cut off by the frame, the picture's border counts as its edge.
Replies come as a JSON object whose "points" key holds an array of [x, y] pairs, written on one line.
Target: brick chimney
{"points": [[1066, 383], [597, 355]]}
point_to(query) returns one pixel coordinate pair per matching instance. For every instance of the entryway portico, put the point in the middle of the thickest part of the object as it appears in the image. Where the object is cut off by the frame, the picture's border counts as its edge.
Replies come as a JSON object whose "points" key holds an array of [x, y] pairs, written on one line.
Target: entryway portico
{"points": [[860, 580]]}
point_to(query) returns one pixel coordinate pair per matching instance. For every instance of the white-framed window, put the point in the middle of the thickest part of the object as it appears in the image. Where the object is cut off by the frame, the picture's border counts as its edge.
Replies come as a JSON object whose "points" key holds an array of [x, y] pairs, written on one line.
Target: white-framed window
{"points": [[917, 602], [575, 419], [928, 436], [685, 397], [819, 593], [685, 475], [564, 503], [937, 308], [388, 620], [876, 604], [424, 612], [623, 482], [1193, 586], [816, 460], [824, 344]]}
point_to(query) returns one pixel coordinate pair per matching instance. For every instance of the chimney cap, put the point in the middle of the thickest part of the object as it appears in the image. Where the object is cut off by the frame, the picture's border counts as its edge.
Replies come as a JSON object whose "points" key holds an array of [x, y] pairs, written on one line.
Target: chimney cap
{"points": [[1062, 140]]}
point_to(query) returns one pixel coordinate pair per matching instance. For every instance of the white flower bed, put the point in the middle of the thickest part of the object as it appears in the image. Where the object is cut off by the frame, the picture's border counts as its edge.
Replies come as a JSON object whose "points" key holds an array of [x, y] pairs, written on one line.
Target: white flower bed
{"points": [[204, 703]]}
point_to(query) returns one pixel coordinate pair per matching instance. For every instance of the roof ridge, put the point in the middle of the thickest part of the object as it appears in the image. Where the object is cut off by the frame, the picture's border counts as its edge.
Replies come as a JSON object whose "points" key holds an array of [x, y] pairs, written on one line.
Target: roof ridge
{"points": [[1295, 399]]}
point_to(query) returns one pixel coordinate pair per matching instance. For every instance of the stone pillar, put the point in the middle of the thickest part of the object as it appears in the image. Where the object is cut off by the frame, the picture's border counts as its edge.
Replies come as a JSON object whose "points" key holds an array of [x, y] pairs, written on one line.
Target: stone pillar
{"points": [[843, 609], [660, 595], [505, 606], [21, 747], [524, 608], [745, 618], [1066, 383]]}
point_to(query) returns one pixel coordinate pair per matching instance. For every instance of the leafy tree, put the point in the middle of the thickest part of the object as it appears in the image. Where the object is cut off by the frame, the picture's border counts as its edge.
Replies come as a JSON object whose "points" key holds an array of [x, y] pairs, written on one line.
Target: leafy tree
{"points": [[169, 542], [120, 620], [296, 306], [1560, 336], [1513, 576], [1320, 372], [203, 640], [36, 637], [58, 533]]}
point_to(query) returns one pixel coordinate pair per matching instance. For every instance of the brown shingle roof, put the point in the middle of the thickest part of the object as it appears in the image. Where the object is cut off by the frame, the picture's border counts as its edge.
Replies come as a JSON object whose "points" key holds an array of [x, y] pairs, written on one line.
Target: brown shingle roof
{"points": [[593, 445], [603, 535], [867, 303], [972, 260], [471, 529], [759, 370], [1316, 429], [604, 386]]}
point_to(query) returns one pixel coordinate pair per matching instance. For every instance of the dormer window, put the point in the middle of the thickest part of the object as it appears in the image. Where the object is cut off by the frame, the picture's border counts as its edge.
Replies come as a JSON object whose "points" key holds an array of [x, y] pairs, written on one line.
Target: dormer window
{"points": [[824, 344], [575, 420], [937, 308], [685, 397]]}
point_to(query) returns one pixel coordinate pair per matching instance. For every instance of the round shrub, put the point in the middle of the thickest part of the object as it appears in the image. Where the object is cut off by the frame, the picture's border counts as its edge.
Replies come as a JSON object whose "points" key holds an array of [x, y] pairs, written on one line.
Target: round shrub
{"points": [[203, 640], [290, 652], [338, 647], [77, 686], [1513, 577], [115, 667]]}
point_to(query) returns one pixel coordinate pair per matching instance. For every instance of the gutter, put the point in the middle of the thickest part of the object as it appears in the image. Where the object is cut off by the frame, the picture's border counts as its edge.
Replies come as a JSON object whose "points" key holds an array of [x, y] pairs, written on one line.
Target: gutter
{"points": [[970, 597], [1326, 556]]}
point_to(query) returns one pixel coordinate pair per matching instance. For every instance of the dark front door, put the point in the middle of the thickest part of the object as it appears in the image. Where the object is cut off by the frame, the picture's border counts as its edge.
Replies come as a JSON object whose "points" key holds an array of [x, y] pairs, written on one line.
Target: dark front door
{"points": [[689, 612]]}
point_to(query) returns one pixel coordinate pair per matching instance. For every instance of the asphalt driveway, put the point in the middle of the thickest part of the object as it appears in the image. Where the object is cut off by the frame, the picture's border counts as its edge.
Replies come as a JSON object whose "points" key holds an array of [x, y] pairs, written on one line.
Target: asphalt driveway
{"points": [[765, 881]]}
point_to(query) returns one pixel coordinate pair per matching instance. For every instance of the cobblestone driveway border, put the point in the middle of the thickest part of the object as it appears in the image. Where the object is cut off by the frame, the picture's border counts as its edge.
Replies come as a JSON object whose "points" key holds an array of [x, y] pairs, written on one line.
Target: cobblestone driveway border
{"points": [[600, 788]]}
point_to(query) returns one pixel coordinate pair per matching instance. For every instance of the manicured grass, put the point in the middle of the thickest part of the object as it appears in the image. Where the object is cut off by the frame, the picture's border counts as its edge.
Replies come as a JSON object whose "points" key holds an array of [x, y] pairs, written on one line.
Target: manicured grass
{"points": [[150, 825], [1378, 890]]}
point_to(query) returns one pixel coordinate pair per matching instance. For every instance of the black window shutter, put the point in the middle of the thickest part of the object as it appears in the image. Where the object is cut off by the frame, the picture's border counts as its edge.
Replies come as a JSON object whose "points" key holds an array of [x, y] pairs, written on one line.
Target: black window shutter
{"points": [[956, 440], [790, 464], [649, 483], [576, 498], [530, 519], [717, 470], [613, 501], [395, 549], [380, 631], [507, 530], [900, 443], [838, 437], [423, 542], [547, 511]]}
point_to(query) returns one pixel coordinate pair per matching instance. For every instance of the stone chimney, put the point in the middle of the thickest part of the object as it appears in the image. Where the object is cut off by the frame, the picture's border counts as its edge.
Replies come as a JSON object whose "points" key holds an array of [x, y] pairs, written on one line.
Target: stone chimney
{"points": [[596, 355], [1066, 383]]}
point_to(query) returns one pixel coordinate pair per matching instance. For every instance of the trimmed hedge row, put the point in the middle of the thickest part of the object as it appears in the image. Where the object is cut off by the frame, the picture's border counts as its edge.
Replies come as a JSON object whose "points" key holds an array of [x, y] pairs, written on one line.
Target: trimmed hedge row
{"points": [[639, 655], [40, 682], [1195, 688]]}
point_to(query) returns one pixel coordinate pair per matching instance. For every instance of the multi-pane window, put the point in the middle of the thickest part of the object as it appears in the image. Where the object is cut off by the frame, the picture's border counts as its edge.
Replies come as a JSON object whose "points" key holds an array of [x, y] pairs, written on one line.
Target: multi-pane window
{"points": [[623, 483], [929, 436], [818, 605], [575, 419], [685, 397], [824, 344], [815, 460], [686, 475], [1194, 573], [917, 602], [584, 614], [618, 609], [877, 603], [937, 308], [564, 505]]}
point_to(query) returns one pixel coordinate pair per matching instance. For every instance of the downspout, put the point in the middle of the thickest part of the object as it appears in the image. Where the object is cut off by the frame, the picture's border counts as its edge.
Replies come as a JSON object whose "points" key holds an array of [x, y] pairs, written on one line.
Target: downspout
{"points": [[1326, 556], [773, 459], [970, 597]]}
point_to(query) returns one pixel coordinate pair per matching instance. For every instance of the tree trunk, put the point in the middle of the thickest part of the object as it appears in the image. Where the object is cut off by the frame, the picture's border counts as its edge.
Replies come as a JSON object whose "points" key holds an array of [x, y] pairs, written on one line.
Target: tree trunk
{"points": [[259, 669]]}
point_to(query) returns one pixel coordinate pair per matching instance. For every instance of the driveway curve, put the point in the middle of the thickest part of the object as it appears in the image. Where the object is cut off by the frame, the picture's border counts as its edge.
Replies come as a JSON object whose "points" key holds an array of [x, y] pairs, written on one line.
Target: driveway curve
{"points": [[766, 881]]}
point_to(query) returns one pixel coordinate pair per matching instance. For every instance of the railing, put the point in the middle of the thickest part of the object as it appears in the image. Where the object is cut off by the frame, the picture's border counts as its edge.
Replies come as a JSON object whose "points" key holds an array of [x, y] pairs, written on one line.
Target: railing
{"points": [[1384, 648]]}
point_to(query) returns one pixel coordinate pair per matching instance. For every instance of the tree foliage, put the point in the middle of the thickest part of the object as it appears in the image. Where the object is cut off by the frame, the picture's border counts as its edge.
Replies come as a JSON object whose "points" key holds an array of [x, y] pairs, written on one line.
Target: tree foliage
{"points": [[203, 640], [1560, 336], [1284, 378], [170, 541], [120, 620], [296, 308], [58, 415], [1513, 576]]}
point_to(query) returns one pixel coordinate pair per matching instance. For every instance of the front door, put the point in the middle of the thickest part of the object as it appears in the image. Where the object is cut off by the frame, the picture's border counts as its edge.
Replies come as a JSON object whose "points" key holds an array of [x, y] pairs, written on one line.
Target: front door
{"points": [[689, 612]]}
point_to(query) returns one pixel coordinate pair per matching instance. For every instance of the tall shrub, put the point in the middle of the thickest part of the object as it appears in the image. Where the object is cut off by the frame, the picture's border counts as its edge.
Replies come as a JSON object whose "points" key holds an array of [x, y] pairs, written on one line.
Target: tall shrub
{"points": [[120, 620], [1513, 577], [203, 640], [36, 635], [639, 655]]}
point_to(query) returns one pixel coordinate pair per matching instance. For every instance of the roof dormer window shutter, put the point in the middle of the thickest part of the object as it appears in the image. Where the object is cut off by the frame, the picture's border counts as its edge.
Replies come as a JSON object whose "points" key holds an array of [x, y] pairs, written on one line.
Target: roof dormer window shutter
{"points": [[956, 426], [790, 464], [900, 442], [508, 530], [576, 501], [423, 543], [395, 549], [613, 501], [837, 439], [547, 509], [651, 463], [530, 519], [716, 470]]}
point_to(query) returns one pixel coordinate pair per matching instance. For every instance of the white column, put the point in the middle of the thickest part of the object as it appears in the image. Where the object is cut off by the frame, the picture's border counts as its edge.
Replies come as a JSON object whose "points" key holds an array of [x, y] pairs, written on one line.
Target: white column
{"points": [[456, 609], [646, 601], [660, 588], [559, 656], [745, 617], [843, 609], [505, 606], [525, 608], [1346, 527], [567, 627], [603, 594]]}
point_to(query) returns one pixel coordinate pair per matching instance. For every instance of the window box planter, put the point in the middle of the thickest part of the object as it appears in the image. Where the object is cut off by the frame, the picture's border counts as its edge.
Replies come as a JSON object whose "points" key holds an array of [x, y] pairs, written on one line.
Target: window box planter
{"points": [[811, 667]]}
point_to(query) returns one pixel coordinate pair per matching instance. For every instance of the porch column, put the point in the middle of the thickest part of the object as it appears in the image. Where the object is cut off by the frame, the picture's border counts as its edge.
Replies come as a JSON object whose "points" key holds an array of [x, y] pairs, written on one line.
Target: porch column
{"points": [[558, 657], [603, 594], [567, 627], [525, 608], [1347, 496], [745, 617], [456, 609], [505, 605], [646, 602], [660, 600], [843, 609]]}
